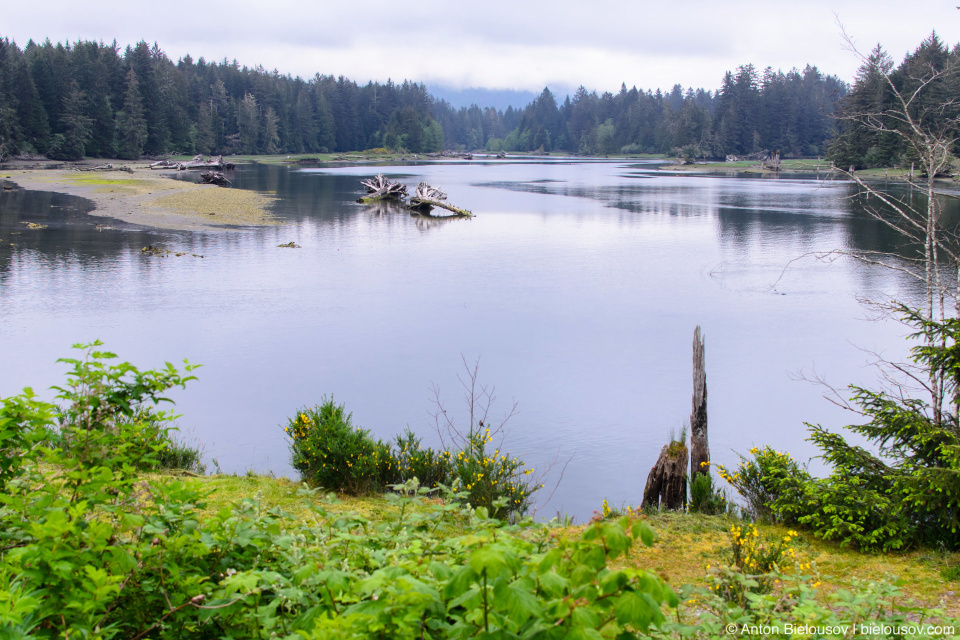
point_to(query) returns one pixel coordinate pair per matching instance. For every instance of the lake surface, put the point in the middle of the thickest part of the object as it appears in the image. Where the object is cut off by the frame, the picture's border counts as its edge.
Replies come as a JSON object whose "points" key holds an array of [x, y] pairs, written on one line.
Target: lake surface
{"points": [[578, 286]]}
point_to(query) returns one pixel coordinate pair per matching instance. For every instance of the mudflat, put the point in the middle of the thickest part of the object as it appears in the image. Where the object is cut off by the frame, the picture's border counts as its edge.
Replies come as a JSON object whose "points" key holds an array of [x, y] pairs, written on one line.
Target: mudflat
{"points": [[142, 196]]}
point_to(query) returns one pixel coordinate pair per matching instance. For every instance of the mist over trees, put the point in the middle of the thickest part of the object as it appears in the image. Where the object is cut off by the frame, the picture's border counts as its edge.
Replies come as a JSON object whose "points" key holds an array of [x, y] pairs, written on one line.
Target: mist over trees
{"points": [[67, 101]]}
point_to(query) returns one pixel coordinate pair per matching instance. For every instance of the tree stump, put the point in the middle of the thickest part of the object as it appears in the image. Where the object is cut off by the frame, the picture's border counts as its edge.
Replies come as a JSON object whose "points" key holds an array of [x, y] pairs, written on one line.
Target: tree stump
{"points": [[699, 444], [667, 483]]}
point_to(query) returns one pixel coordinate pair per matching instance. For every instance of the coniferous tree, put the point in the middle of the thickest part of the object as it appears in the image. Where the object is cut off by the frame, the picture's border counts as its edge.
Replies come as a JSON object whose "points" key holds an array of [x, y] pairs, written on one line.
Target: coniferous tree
{"points": [[248, 123], [77, 128], [131, 123]]}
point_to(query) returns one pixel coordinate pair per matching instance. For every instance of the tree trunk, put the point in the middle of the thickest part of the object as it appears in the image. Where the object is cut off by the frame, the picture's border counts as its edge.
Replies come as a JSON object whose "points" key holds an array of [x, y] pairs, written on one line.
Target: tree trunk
{"points": [[666, 486], [699, 444]]}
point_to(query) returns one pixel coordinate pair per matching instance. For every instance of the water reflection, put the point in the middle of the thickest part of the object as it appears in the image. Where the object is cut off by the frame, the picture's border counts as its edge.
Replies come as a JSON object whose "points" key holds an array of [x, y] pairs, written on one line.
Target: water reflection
{"points": [[579, 284]]}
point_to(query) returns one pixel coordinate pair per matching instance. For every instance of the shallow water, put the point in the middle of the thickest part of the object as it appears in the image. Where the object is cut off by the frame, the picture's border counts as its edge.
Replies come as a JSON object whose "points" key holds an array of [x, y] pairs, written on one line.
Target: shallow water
{"points": [[578, 285]]}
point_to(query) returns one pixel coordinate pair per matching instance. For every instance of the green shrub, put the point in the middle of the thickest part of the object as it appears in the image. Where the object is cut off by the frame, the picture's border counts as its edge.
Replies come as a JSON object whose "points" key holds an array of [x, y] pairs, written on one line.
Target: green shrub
{"points": [[909, 493], [492, 480], [431, 468], [330, 452], [797, 607], [773, 485], [24, 423], [705, 498]]}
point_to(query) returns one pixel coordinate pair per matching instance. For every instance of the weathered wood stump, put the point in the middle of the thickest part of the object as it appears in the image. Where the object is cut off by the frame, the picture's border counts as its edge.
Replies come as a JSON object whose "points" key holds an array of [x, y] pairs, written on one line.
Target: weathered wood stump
{"points": [[772, 163], [666, 486], [379, 188], [428, 197], [699, 443], [215, 177]]}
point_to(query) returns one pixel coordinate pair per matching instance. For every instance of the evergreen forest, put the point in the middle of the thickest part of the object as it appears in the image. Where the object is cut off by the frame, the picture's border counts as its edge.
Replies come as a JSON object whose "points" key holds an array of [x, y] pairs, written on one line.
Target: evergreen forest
{"points": [[90, 99]]}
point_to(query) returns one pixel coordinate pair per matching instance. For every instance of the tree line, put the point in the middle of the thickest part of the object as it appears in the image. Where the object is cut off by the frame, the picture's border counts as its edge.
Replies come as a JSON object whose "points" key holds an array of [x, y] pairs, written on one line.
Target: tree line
{"points": [[87, 98], [875, 117]]}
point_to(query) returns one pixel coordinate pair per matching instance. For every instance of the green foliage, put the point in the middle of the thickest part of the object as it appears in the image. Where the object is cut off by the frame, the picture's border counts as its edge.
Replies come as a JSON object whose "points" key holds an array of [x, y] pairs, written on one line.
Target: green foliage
{"points": [[431, 468], [495, 481], [705, 498], [86, 551], [330, 452], [772, 483], [24, 423], [756, 561], [908, 494], [89, 552], [797, 608]]}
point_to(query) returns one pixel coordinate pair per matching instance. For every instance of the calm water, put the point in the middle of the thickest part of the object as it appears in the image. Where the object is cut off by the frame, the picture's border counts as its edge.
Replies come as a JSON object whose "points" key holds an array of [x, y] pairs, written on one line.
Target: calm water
{"points": [[578, 285]]}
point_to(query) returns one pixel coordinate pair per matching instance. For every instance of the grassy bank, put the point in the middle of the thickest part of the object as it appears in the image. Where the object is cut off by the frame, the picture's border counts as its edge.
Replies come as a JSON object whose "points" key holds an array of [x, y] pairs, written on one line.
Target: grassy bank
{"points": [[686, 544]]}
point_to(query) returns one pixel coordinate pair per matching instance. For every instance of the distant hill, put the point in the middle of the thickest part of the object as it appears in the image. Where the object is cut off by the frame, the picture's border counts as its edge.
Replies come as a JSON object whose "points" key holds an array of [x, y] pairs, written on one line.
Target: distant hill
{"points": [[499, 99]]}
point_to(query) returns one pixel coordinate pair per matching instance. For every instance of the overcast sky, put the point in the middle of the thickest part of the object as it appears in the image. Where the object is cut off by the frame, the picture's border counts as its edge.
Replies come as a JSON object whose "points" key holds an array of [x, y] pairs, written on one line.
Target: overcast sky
{"points": [[517, 44]]}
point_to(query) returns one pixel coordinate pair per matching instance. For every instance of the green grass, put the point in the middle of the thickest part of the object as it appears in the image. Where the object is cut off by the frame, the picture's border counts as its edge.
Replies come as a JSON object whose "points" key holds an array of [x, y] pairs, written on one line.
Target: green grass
{"points": [[686, 543]]}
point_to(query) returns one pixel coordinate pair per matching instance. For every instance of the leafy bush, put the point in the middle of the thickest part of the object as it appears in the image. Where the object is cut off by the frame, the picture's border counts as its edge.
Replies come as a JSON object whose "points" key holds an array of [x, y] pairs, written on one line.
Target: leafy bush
{"points": [[411, 460], [330, 452], [24, 423], [796, 607], [705, 498], [772, 483], [754, 557], [88, 551], [908, 494], [494, 480]]}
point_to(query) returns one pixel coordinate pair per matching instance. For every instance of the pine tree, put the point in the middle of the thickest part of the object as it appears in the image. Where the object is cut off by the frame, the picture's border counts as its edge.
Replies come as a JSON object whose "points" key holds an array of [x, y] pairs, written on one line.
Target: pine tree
{"points": [[248, 123], [131, 122], [77, 127]]}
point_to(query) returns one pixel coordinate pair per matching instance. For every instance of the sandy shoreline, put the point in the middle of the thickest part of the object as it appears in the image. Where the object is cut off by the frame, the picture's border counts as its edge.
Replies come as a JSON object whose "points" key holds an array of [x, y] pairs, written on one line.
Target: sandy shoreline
{"points": [[149, 198]]}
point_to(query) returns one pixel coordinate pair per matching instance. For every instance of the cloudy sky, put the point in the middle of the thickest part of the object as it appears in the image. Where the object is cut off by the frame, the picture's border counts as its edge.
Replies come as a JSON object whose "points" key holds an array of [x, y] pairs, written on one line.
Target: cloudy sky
{"points": [[518, 44]]}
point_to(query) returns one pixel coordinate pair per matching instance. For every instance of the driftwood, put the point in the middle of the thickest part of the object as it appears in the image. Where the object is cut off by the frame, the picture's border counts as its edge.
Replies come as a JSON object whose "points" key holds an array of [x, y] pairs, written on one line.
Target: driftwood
{"points": [[214, 177], [107, 167], [216, 164], [772, 163], [501, 156], [213, 163], [666, 486], [428, 197], [379, 188], [699, 443]]}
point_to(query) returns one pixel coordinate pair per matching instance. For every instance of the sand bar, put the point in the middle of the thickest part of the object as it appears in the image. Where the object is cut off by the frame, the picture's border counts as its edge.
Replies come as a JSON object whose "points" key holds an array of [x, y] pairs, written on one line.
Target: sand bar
{"points": [[150, 198]]}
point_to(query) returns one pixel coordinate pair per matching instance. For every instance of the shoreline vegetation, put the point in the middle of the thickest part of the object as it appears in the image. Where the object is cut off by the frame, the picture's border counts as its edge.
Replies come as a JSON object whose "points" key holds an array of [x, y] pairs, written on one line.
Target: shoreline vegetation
{"points": [[686, 543], [102, 538], [134, 193]]}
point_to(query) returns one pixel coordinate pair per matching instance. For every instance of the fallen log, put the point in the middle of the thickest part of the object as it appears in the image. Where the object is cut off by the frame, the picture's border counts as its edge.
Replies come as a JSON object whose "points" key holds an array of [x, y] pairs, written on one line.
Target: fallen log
{"points": [[379, 188], [427, 197], [166, 164]]}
